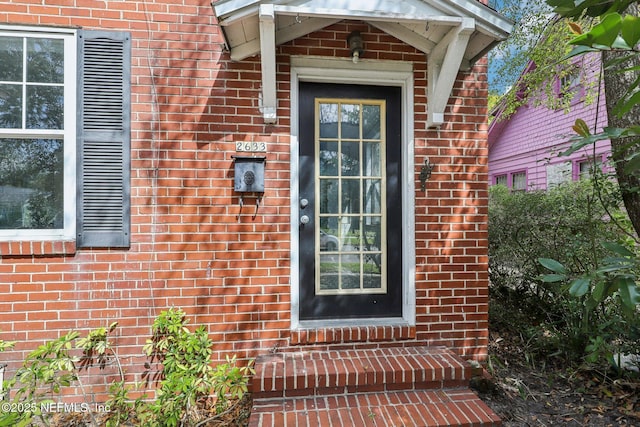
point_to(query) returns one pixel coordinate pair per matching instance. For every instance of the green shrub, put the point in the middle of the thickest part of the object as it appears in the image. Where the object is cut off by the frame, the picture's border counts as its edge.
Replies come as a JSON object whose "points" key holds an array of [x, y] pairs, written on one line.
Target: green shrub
{"points": [[188, 374], [187, 377], [562, 224], [567, 224]]}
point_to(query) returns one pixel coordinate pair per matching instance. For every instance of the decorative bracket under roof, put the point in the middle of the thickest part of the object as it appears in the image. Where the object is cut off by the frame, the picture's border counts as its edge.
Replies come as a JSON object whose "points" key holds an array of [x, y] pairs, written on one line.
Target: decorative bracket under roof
{"points": [[453, 34], [442, 67], [268, 62]]}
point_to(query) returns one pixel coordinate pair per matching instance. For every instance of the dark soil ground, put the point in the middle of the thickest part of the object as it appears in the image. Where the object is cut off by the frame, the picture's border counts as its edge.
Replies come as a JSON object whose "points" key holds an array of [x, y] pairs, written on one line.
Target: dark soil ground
{"points": [[524, 392]]}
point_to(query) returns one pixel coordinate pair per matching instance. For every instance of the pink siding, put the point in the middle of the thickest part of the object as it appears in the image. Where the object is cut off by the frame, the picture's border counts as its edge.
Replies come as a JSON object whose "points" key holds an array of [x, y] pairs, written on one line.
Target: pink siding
{"points": [[530, 140]]}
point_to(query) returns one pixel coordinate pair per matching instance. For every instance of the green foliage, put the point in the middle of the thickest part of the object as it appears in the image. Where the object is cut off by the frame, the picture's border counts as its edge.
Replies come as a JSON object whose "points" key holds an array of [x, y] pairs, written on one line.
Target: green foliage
{"points": [[96, 344], [122, 409], [563, 288], [45, 371], [6, 345], [10, 418], [558, 224], [614, 31], [188, 376], [230, 381], [532, 64], [577, 8], [612, 277]]}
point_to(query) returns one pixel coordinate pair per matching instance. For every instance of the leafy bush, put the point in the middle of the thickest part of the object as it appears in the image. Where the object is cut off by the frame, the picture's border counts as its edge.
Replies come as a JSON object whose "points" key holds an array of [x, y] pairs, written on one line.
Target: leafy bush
{"points": [[188, 376], [562, 223], [567, 224]]}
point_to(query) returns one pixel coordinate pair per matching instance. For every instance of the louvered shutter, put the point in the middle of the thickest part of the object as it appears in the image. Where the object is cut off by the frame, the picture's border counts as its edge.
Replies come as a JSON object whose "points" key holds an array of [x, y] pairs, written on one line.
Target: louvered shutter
{"points": [[104, 139]]}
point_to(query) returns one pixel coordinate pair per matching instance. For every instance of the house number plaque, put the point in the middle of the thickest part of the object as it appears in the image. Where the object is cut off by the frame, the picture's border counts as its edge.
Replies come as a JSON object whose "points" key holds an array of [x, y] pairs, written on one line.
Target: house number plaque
{"points": [[252, 147]]}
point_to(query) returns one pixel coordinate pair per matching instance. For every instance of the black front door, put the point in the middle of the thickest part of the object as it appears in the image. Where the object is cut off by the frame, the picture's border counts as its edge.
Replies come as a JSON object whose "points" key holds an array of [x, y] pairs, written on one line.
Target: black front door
{"points": [[350, 201]]}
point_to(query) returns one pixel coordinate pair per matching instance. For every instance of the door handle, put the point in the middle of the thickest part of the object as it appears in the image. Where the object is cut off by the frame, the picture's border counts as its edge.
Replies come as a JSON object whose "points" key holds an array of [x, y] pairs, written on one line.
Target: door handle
{"points": [[304, 219]]}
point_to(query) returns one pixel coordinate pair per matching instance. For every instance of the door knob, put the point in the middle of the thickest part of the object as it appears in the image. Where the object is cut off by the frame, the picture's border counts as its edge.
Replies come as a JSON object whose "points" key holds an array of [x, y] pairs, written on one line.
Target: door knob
{"points": [[304, 219]]}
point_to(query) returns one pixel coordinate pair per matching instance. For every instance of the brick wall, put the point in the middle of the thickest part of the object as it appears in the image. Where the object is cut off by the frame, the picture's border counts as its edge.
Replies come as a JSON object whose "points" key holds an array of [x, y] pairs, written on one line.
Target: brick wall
{"points": [[193, 246]]}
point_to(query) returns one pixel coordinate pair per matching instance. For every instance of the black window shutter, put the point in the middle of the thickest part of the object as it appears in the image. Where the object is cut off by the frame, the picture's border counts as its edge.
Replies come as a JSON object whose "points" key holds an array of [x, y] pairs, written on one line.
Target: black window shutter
{"points": [[104, 139]]}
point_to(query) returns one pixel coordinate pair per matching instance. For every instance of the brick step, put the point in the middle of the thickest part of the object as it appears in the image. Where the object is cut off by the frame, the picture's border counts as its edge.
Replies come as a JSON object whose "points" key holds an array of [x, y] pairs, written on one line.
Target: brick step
{"points": [[391, 386], [358, 370], [433, 408]]}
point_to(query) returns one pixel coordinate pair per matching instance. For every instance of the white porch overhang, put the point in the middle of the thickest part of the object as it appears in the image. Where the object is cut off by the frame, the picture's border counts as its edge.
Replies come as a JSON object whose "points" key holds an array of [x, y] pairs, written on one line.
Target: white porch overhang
{"points": [[453, 34]]}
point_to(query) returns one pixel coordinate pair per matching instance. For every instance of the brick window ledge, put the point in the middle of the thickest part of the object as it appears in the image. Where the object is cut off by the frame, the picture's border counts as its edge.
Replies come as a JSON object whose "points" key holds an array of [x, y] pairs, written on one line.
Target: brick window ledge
{"points": [[25, 248]]}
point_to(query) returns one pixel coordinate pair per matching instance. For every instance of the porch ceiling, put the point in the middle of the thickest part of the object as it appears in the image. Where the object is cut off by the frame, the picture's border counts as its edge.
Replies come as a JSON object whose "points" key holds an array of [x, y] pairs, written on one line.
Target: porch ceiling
{"points": [[453, 33]]}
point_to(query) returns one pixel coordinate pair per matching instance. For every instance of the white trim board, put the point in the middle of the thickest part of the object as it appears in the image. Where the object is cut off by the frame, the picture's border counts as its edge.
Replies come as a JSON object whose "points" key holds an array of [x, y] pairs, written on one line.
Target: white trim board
{"points": [[382, 73]]}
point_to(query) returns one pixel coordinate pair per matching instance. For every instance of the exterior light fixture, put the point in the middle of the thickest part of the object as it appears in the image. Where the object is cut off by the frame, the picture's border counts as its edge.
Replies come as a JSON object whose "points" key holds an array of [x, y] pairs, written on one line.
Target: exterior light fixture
{"points": [[425, 173], [356, 45]]}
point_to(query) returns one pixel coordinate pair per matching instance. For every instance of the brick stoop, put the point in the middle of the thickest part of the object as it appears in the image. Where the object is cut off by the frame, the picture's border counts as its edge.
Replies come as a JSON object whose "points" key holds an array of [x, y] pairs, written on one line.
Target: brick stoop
{"points": [[393, 386]]}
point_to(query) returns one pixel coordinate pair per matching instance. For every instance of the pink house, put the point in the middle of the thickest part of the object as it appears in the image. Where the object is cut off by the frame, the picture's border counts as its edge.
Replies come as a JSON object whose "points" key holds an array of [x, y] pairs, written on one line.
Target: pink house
{"points": [[523, 149]]}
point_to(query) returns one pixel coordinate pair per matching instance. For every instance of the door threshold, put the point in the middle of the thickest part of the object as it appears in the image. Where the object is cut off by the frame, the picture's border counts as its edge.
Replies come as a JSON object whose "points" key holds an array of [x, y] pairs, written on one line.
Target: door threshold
{"points": [[342, 331], [338, 323]]}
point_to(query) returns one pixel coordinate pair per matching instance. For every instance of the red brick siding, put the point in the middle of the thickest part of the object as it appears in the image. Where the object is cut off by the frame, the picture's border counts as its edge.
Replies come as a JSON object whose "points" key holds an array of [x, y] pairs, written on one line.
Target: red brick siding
{"points": [[192, 245]]}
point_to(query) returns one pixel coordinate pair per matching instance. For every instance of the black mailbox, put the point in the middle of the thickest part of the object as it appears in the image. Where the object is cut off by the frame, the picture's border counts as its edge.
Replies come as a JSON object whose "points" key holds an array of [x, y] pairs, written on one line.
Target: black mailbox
{"points": [[249, 174]]}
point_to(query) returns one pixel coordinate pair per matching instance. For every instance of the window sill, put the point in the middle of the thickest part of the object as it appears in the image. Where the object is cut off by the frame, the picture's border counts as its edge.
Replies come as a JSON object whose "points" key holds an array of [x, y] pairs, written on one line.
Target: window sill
{"points": [[25, 248]]}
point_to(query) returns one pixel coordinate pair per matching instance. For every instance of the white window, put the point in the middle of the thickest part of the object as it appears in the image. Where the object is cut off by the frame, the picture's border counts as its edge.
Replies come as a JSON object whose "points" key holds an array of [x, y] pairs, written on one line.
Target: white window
{"points": [[37, 134], [501, 180], [65, 138], [558, 173], [519, 181], [569, 81], [587, 167]]}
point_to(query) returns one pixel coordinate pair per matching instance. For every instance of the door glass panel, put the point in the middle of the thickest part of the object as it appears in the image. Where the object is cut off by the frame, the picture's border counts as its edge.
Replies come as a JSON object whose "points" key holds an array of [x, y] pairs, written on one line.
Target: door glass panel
{"points": [[372, 235], [372, 196], [371, 122], [350, 164], [350, 233], [351, 191], [372, 162], [329, 274], [350, 121], [372, 273], [329, 196], [350, 196], [328, 120], [350, 272], [328, 158], [329, 240]]}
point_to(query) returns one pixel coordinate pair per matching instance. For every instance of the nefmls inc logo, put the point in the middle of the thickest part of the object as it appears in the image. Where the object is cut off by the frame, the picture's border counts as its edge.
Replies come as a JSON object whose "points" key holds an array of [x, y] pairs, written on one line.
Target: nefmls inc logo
{"points": [[62, 407]]}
